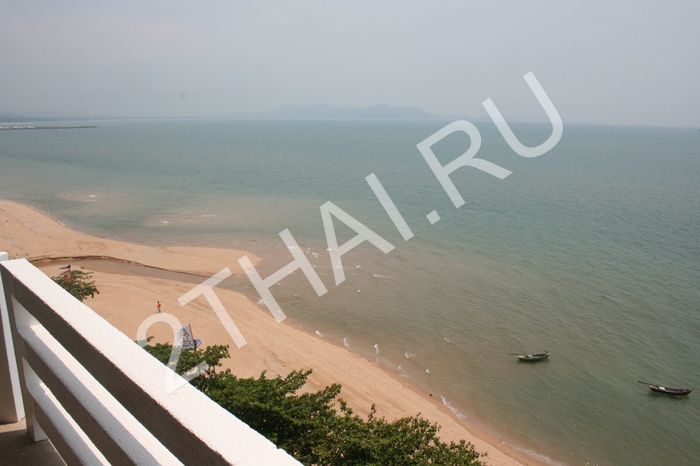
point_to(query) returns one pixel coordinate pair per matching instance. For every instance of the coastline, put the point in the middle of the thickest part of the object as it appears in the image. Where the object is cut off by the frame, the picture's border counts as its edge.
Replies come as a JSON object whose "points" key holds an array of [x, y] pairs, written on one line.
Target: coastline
{"points": [[513, 457], [125, 300]]}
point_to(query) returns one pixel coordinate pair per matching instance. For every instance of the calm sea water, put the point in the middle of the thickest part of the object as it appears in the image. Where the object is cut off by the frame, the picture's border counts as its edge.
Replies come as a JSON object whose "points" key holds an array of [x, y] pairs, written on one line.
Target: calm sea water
{"points": [[591, 251]]}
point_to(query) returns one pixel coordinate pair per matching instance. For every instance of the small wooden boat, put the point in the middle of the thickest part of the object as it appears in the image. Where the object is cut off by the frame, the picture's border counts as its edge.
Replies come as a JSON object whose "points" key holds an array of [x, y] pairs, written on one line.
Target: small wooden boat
{"points": [[667, 390], [531, 357]]}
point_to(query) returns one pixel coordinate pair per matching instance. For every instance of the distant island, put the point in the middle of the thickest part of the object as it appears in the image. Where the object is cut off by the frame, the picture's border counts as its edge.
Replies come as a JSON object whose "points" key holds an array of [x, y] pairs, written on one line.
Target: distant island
{"points": [[345, 112]]}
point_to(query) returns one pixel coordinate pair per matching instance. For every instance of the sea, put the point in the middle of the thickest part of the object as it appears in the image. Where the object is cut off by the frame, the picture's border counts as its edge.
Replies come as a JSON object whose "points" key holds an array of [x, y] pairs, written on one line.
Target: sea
{"points": [[590, 251]]}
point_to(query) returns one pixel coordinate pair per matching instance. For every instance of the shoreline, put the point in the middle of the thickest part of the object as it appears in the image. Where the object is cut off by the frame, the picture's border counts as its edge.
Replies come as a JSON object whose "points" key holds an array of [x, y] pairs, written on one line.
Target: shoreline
{"points": [[437, 401], [30, 235]]}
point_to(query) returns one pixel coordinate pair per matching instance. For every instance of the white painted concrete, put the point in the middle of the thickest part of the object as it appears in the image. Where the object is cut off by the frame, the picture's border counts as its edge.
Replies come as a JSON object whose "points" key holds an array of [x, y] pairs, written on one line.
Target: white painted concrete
{"points": [[112, 427], [112, 390], [69, 440], [11, 409]]}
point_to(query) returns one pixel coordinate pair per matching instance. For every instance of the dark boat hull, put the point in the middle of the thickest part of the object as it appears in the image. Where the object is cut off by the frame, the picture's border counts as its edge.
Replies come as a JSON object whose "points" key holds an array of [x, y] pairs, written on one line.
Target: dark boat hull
{"points": [[533, 357], [671, 391]]}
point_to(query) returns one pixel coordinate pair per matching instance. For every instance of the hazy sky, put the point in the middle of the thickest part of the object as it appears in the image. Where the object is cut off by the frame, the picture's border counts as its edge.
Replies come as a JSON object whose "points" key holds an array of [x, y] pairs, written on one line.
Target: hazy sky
{"points": [[628, 62]]}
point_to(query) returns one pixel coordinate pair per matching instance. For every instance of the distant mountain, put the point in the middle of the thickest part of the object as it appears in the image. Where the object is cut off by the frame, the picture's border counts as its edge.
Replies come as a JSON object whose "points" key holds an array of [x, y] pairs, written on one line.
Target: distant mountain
{"points": [[288, 112], [376, 112], [344, 112]]}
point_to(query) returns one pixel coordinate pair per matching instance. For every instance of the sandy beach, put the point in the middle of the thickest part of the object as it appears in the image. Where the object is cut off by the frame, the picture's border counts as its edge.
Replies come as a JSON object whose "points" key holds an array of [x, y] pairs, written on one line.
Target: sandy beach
{"points": [[126, 299]]}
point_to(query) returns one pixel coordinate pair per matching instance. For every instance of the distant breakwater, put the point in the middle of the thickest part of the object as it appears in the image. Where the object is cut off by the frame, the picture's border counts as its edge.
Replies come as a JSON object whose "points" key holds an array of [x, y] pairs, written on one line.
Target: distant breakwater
{"points": [[6, 128]]}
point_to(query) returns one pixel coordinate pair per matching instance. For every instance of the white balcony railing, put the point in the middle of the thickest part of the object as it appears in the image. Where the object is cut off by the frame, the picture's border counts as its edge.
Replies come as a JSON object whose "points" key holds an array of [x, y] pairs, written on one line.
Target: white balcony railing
{"points": [[97, 395]]}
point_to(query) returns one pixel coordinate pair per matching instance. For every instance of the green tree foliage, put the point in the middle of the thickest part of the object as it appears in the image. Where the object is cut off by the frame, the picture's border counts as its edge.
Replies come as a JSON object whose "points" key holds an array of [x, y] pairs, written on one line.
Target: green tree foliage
{"points": [[80, 286], [309, 427], [189, 359]]}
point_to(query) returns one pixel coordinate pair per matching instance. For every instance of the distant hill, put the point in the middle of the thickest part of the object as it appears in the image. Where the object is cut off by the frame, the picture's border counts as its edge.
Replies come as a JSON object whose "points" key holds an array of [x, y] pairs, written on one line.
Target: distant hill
{"points": [[288, 112], [345, 112], [376, 112]]}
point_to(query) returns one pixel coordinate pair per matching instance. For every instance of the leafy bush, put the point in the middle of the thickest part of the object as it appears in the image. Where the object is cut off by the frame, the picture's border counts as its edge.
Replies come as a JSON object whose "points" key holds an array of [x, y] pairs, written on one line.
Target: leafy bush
{"points": [[79, 285], [310, 428]]}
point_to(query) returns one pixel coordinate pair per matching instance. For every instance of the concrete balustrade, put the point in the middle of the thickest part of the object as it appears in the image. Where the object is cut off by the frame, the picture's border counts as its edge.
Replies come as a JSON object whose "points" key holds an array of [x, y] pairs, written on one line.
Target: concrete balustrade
{"points": [[11, 409], [98, 396]]}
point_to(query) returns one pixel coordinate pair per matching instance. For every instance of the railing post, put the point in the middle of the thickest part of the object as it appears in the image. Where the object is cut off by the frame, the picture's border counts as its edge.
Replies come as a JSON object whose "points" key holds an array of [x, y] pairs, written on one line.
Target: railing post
{"points": [[11, 408], [21, 318]]}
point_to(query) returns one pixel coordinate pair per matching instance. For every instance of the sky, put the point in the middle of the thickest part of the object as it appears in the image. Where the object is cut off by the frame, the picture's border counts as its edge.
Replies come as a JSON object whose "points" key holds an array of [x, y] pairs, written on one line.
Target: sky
{"points": [[600, 62]]}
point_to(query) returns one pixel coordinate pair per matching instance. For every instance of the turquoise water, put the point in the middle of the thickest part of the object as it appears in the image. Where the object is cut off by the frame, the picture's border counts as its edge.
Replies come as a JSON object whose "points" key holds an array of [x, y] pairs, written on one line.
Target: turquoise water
{"points": [[590, 251]]}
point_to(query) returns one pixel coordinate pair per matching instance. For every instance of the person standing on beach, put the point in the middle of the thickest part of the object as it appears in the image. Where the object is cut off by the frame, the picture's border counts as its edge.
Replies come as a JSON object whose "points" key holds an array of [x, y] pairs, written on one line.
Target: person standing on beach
{"points": [[158, 306]]}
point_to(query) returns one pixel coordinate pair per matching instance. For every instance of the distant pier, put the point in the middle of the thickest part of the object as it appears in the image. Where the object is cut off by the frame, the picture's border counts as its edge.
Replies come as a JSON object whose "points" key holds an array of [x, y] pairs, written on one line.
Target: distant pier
{"points": [[18, 127]]}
